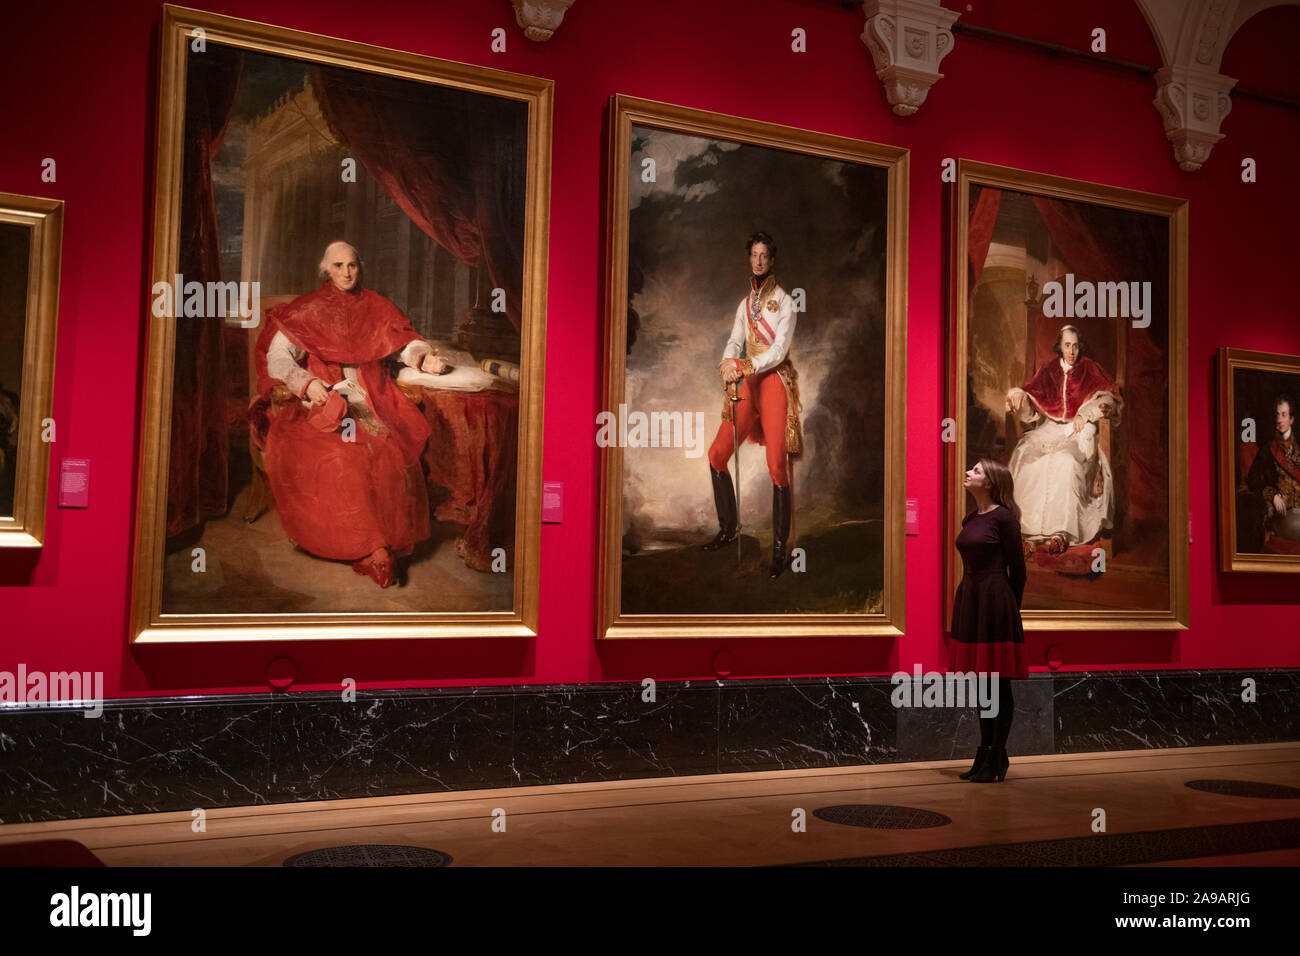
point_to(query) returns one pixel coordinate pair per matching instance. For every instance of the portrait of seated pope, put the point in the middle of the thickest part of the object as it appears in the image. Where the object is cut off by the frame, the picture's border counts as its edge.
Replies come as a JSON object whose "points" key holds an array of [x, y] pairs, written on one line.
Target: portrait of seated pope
{"points": [[1063, 480], [1073, 403]]}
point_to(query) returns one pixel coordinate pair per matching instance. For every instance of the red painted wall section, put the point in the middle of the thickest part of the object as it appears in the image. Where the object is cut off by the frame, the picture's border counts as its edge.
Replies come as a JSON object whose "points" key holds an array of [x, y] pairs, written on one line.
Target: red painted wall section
{"points": [[80, 86]]}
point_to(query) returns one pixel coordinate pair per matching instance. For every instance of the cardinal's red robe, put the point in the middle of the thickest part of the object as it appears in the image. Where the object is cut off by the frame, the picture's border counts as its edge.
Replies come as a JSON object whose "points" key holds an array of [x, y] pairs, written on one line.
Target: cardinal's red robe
{"points": [[1058, 393], [346, 499]]}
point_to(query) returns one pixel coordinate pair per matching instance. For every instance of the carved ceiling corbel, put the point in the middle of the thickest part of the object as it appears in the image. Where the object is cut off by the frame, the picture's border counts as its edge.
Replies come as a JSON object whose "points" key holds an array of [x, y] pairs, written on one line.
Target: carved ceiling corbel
{"points": [[1191, 94], [907, 39], [539, 19]]}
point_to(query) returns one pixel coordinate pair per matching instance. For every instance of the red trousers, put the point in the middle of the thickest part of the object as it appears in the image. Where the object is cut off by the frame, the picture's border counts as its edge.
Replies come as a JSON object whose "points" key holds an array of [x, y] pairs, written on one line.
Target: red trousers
{"points": [[760, 414]]}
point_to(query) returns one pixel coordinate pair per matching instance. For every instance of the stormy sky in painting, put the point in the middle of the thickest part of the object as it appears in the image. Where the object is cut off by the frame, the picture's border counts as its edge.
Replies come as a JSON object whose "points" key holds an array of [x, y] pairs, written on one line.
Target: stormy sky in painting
{"points": [[688, 270]]}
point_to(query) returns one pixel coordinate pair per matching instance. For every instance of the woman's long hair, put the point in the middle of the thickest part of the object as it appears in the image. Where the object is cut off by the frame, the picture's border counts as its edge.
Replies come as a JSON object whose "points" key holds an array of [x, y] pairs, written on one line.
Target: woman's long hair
{"points": [[1001, 487]]}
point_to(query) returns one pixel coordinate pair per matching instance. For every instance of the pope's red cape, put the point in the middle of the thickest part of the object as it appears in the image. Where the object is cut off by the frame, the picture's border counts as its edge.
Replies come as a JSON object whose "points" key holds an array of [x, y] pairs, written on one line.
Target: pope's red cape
{"points": [[346, 499], [1086, 379]]}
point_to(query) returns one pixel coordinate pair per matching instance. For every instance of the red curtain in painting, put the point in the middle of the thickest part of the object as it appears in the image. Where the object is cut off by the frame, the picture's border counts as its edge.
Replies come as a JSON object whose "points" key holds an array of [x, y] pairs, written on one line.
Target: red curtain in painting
{"points": [[453, 161], [1094, 247], [197, 480], [983, 217]]}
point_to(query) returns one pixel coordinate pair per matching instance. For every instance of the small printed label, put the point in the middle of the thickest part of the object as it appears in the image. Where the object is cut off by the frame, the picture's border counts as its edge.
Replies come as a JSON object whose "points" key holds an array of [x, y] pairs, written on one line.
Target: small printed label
{"points": [[913, 517], [552, 501], [74, 483]]}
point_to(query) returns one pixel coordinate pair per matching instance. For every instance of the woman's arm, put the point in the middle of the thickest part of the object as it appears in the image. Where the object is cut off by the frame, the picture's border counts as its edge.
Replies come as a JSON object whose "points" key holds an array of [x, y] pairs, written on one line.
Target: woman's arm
{"points": [[1013, 552]]}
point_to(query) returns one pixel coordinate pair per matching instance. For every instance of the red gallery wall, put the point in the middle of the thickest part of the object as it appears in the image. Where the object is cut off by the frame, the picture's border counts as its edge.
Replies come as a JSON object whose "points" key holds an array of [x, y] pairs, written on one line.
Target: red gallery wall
{"points": [[80, 84]]}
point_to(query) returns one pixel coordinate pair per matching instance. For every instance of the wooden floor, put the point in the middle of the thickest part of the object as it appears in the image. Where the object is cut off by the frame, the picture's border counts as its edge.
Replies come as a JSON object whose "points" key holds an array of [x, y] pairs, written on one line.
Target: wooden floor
{"points": [[740, 819]]}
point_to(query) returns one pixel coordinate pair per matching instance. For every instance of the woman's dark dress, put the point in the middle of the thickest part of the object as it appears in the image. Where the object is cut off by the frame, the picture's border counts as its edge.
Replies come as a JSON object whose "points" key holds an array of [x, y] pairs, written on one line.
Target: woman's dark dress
{"points": [[987, 635]]}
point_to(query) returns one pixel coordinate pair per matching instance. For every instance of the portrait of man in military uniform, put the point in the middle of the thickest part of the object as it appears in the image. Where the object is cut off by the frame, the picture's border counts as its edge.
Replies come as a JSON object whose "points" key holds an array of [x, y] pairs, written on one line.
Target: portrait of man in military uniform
{"points": [[757, 300], [1268, 517], [762, 402], [1276, 475]]}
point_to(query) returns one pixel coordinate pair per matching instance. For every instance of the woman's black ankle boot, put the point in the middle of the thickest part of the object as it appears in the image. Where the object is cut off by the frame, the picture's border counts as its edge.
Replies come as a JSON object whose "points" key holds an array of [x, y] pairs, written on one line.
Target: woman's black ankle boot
{"points": [[995, 767], [981, 756]]}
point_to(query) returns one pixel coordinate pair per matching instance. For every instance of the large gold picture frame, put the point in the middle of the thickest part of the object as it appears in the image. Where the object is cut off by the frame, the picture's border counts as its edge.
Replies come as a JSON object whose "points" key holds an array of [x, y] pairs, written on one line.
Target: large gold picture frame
{"points": [[180, 27], [1171, 603], [23, 526], [1249, 384], [885, 615]]}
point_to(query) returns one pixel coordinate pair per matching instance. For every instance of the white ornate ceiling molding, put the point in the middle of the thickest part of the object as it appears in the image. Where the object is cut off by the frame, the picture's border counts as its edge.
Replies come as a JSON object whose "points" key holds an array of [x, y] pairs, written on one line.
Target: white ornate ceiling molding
{"points": [[907, 39], [1191, 94], [1192, 104], [539, 19]]}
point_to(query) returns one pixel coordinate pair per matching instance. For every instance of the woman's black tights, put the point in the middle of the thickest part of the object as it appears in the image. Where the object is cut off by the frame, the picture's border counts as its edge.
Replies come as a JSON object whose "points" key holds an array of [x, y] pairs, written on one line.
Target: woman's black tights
{"points": [[995, 730]]}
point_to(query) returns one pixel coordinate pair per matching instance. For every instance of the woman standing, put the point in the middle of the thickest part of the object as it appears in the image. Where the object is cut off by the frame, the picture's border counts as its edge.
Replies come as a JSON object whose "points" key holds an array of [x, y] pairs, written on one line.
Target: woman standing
{"points": [[987, 635]]}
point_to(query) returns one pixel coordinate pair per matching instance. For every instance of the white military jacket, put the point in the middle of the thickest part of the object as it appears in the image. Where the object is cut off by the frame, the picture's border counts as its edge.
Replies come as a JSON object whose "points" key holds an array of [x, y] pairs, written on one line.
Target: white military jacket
{"points": [[768, 324]]}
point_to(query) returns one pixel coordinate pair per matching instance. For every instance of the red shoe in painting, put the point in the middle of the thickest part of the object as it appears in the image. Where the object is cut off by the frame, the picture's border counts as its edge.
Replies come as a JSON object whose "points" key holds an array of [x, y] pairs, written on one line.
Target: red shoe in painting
{"points": [[379, 567]]}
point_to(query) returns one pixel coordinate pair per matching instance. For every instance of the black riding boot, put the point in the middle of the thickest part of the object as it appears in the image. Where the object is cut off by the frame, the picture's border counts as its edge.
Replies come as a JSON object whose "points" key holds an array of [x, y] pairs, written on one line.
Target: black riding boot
{"points": [[780, 528], [724, 498]]}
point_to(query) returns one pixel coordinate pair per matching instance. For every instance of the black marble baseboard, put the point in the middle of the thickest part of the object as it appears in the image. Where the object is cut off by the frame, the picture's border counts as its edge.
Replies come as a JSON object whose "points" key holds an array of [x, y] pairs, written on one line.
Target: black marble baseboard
{"points": [[159, 754]]}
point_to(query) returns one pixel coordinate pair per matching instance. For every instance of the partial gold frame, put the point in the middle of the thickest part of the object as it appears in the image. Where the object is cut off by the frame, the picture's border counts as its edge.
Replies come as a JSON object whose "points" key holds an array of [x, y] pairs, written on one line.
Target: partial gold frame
{"points": [[25, 528], [1230, 559], [149, 624], [611, 623], [969, 173]]}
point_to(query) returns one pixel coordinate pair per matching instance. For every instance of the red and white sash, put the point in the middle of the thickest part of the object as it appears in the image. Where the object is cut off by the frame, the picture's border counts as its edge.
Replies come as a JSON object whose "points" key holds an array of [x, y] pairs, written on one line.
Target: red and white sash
{"points": [[757, 323]]}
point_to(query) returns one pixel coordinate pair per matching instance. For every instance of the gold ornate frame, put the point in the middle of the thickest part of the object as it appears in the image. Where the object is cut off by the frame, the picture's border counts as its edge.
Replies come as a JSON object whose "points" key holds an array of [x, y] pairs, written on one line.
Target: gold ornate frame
{"points": [[1230, 559], [624, 111], [25, 528], [1175, 616], [149, 623]]}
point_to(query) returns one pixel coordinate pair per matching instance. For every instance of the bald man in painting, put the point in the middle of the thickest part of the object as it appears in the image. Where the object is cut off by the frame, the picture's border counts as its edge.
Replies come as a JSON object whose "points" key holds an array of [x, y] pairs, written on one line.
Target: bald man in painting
{"points": [[344, 461]]}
